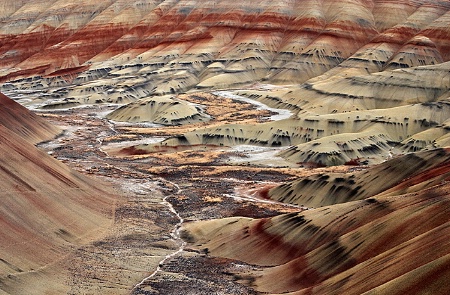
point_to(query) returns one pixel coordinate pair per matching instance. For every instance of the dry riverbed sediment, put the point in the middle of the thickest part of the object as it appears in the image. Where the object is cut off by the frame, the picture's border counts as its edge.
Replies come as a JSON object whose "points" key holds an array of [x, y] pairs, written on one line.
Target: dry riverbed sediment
{"points": [[143, 252]]}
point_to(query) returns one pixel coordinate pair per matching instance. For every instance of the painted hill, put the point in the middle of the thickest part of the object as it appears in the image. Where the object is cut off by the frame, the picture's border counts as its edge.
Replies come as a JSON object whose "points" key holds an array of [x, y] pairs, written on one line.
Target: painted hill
{"points": [[219, 43], [389, 238], [46, 208], [164, 110], [367, 82], [25, 124], [406, 174], [370, 137], [360, 63]]}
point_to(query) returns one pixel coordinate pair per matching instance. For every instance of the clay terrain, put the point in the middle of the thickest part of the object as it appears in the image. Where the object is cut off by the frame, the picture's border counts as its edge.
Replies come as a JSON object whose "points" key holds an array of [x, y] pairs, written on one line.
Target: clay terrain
{"points": [[223, 147]]}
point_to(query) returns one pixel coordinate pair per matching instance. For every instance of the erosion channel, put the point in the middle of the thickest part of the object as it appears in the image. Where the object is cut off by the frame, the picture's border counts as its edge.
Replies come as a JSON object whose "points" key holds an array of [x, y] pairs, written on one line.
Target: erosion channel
{"points": [[143, 253]]}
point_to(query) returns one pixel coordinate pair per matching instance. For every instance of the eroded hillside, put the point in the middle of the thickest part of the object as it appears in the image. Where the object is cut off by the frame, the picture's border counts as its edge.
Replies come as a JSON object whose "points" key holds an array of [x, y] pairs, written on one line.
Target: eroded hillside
{"points": [[343, 67], [364, 238], [47, 209], [313, 132]]}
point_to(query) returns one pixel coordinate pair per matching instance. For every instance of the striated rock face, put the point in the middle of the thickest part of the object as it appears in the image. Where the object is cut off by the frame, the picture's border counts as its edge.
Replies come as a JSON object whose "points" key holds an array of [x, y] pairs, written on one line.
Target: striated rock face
{"points": [[332, 58], [367, 81], [46, 209], [375, 240], [220, 43]]}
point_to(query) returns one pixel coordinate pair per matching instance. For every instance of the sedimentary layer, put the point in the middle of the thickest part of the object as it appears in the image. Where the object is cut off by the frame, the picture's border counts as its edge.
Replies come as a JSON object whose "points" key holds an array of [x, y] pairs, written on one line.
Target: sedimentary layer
{"points": [[164, 110], [217, 44], [330, 57], [379, 242], [46, 208], [403, 174]]}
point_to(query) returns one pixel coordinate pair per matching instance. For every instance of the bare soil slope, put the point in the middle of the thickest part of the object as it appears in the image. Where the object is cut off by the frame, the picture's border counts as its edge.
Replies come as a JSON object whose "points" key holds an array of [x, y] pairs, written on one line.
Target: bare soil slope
{"points": [[46, 209], [362, 77], [387, 241], [409, 173]]}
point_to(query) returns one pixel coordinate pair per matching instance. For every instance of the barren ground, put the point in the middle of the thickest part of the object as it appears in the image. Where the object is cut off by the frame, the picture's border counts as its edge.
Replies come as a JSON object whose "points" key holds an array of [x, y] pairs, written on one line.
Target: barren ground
{"points": [[197, 184]]}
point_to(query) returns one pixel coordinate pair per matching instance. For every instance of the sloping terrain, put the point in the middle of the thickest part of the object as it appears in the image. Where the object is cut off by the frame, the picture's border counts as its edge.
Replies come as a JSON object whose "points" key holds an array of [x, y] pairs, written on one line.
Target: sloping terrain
{"points": [[381, 241], [409, 173], [23, 123], [163, 110], [335, 139], [46, 209], [350, 63], [211, 43], [365, 83]]}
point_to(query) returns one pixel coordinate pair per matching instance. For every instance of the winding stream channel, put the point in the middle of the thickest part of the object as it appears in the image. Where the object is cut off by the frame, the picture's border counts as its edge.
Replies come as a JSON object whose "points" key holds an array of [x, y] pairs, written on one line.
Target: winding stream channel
{"points": [[280, 114], [82, 147], [175, 234]]}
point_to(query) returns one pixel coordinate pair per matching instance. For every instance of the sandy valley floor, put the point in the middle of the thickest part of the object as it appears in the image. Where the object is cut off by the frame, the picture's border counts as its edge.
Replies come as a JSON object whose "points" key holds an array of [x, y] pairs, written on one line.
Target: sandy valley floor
{"points": [[162, 190]]}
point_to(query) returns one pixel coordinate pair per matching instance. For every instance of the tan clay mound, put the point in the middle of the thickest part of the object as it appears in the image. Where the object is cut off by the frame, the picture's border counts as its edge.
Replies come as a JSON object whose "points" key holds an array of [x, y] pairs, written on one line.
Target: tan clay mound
{"points": [[160, 110], [409, 173], [351, 248], [370, 137], [331, 57], [355, 91], [46, 208]]}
